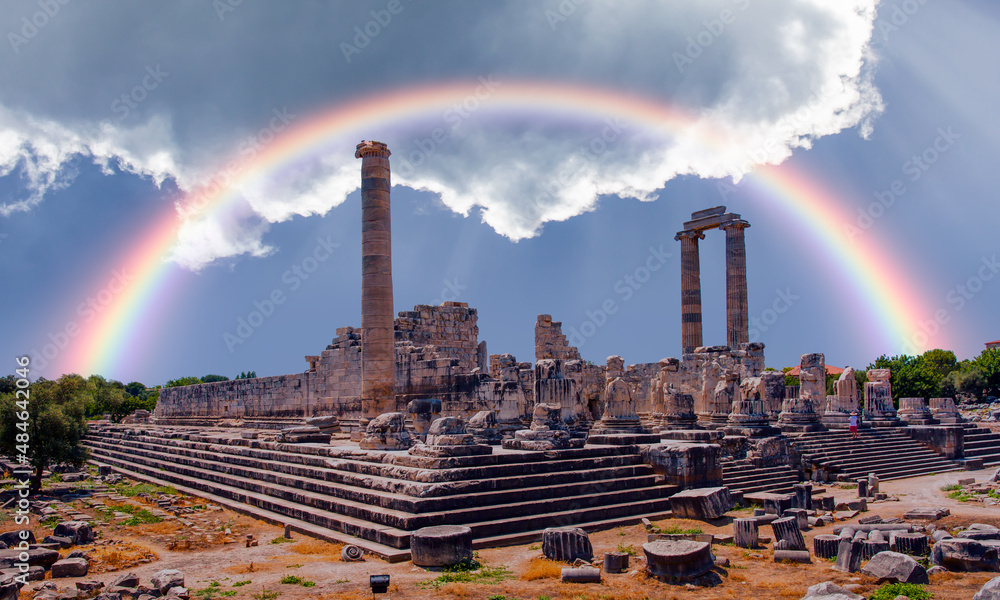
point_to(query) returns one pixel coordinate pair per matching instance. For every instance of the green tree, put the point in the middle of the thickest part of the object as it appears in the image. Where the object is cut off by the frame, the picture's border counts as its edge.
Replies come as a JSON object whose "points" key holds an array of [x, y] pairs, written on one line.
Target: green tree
{"points": [[940, 361], [988, 364], [214, 378], [54, 425], [911, 377], [967, 380], [183, 381], [247, 375], [136, 389], [103, 396]]}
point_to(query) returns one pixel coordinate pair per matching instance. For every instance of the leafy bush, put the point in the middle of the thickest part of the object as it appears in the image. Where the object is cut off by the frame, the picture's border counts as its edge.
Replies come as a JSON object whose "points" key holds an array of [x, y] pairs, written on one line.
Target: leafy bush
{"points": [[912, 591], [676, 529], [481, 575]]}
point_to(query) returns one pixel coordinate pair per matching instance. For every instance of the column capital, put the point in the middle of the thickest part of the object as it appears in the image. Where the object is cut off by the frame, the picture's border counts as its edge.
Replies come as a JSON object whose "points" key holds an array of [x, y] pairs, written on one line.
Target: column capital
{"points": [[689, 234], [734, 224], [372, 148]]}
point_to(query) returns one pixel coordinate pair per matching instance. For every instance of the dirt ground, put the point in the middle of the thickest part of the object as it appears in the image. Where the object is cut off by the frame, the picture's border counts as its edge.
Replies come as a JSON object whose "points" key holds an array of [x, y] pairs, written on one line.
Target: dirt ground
{"points": [[224, 558]]}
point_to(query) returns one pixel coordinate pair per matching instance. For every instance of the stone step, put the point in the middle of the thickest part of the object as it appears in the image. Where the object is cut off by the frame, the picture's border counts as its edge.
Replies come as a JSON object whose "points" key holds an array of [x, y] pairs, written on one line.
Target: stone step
{"points": [[738, 482], [987, 444], [349, 471], [361, 488], [889, 470], [772, 486], [380, 534], [865, 461], [401, 511], [857, 443], [749, 479], [500, 464], [890, 454], [494, 531], [388, 553]]}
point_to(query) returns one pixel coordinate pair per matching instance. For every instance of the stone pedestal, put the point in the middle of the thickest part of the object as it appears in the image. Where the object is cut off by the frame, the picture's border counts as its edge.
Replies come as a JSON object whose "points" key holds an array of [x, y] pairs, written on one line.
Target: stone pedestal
{"points": [[422, 413], [552, 388], [303, 434], [745, 533], [798, 416], [678, 411], [619, 414], [914, 411], [547, 432], [566, 544], [750, 418], [773, 393], [484, 428], [447, 436], [615, 562], [787, 528], [685, 464], [701, 503], [386, 432], [441, 546], [879, 408], [721, 390], [843, 402], [678, 558], [826, 546], [944, 411]]}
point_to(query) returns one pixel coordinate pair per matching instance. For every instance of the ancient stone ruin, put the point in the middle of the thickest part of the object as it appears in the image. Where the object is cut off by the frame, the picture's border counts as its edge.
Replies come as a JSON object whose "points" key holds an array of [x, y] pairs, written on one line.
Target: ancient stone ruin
{"points": [[404, 433]]}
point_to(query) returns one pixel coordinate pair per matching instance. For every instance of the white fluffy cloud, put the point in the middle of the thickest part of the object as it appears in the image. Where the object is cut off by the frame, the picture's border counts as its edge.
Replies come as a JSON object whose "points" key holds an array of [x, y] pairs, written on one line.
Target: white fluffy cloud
{"points": [[760, 79]]}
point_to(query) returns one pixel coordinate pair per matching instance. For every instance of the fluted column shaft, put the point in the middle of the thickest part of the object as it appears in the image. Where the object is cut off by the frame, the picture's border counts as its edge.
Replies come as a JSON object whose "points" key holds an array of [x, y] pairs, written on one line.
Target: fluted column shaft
{"points": [[378, 354], [691, 335], [737, 319]]}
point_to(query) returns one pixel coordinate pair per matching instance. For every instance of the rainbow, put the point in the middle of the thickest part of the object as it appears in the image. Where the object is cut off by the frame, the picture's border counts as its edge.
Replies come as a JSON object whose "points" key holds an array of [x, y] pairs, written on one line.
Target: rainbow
{"points": [[105, 344]]}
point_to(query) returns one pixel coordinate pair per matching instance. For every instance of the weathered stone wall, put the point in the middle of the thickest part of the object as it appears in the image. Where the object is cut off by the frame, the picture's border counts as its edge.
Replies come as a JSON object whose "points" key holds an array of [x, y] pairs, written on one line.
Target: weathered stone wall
{"points": [[639, 378], [590, 382], [452, 328], [279, 396], [550, 341], [435, 344]]}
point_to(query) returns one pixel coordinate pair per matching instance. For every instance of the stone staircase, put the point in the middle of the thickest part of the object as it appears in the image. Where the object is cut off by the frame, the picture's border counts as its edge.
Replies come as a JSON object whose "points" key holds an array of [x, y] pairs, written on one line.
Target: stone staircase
{"points": [[887, 452], [982, 443], [375, 499], [744, 476]]}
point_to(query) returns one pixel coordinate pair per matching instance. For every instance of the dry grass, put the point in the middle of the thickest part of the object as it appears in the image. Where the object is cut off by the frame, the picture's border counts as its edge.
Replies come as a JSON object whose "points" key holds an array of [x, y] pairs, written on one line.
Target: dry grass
{"points": [[456, 590], [124, 555], [161, 528], [263, 567], [348, 595], [319, 547], [542, 568]]}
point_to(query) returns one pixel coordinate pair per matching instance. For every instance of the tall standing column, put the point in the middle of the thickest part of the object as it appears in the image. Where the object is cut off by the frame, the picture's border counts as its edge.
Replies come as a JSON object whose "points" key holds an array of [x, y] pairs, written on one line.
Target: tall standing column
{"points": [[378, 353], [737, 319], [690, 290]]}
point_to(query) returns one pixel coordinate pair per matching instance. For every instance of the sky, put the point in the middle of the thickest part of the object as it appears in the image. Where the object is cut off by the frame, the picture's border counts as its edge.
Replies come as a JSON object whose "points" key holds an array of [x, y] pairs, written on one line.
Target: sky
{"points": [[179, 195]]}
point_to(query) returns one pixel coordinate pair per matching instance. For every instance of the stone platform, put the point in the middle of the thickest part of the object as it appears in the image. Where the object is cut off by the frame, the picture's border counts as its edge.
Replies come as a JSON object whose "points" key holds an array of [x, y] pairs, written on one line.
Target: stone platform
{"points": [[375, 499], [888, 452]]}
